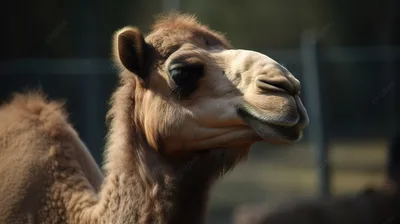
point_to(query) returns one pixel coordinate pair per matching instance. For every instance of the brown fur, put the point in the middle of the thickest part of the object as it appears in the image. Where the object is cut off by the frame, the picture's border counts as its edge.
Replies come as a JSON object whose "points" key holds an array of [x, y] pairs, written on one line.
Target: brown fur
{"points": [[188, 28], [163, 151], [34, 134]]}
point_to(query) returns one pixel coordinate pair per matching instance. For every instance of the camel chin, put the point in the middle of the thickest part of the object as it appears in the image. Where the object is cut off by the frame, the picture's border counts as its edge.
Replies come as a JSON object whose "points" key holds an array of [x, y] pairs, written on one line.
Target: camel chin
{"points": [[278, 128]]}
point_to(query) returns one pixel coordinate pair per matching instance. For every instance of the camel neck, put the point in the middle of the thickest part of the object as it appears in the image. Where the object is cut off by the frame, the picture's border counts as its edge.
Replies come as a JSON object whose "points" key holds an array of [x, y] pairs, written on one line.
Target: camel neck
{"points": [[167, 198], [140, 185], [145, 188]]}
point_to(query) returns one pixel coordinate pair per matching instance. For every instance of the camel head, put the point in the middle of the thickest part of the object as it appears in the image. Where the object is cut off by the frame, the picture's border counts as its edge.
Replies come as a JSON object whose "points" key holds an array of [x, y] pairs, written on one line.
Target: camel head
{"points": [[194, 91]]}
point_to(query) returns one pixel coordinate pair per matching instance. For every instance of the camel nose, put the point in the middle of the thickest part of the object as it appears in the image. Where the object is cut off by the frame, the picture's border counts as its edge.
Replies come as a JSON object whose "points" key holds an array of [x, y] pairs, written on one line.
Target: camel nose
{"points": [[277, 79]]}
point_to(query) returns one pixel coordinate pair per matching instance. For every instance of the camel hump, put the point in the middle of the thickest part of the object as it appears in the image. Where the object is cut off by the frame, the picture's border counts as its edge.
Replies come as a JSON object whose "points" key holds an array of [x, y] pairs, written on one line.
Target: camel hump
{"points": [[31, 118], [33, 132], [32, 110]]}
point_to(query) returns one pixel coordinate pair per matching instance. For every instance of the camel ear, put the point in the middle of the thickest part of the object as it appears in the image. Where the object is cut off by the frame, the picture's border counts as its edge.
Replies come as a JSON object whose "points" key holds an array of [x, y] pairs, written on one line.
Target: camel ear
{"points": [[131, 50]]}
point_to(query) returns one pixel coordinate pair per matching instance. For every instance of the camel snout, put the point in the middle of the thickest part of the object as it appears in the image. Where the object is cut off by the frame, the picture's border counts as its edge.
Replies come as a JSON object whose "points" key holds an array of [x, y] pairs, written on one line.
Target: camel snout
{"points": [[276, 78]]}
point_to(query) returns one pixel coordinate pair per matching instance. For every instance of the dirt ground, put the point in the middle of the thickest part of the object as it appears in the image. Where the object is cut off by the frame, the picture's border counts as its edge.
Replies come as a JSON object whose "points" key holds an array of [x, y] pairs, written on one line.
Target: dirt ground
{"points": [[273, 174]]}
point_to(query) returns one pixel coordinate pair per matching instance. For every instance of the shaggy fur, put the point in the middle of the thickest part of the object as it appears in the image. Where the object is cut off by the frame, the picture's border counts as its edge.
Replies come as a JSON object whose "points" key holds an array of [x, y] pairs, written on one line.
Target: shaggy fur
{"points": [[36, 143]]}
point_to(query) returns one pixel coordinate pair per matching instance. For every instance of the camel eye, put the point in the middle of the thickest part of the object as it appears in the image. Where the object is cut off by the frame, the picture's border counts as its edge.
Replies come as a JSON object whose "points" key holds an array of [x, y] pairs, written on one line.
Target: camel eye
{"points": [[185, 78], [186, 74]]}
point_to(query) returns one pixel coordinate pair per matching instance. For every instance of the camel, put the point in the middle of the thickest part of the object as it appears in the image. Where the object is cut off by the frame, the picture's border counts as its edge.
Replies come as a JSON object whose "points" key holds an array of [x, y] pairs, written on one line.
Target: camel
{"points": [[187, 110]]}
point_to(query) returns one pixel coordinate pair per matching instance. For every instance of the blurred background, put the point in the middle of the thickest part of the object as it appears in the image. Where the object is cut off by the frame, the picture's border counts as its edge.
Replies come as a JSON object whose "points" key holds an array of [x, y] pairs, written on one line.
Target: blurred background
{"points": [[345, 53]]}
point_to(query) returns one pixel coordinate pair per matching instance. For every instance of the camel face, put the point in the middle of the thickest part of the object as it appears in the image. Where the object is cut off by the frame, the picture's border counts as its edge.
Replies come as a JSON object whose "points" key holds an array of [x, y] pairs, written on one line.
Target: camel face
{"points": [[270, 102], [206, 94]]}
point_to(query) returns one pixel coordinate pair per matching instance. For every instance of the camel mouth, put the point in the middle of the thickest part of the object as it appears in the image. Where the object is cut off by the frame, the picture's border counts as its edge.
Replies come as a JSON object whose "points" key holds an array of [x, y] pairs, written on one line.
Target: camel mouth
{"points": [[288, 129]]}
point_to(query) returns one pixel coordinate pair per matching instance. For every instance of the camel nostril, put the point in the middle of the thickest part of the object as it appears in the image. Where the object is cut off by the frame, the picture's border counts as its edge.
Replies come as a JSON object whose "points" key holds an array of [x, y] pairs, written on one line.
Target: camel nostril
{"points": [[276, 85]]}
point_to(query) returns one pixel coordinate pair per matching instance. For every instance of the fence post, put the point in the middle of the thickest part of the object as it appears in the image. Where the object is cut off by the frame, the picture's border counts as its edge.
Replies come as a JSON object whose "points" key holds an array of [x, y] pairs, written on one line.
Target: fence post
{"points": [[311, 86]]}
